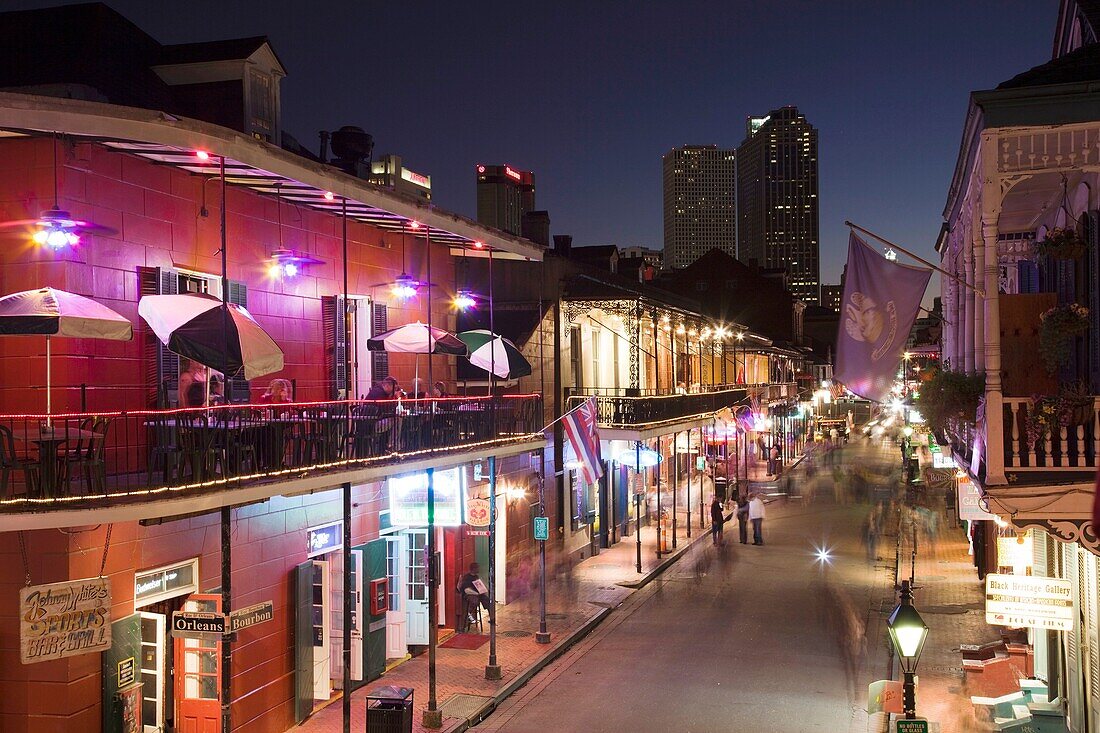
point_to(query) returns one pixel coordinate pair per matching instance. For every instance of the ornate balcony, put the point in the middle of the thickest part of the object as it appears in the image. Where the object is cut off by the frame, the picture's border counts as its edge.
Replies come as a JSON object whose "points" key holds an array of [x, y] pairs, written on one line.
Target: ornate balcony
{"points": [[89, 460], [645, 409]]}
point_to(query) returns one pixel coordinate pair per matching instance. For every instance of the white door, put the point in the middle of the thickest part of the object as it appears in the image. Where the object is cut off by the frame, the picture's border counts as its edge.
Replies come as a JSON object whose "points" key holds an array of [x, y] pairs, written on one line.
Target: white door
{"points": [[322, 621], [396, 622], [416, 586], [153, 648], [357, 615]]}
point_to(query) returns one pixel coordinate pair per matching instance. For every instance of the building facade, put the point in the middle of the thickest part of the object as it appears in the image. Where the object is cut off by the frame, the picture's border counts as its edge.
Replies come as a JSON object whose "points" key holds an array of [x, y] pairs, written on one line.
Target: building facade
{"points": [[1020, 243], [777, 198], [389, 172], [504, 196], [700, 185]]}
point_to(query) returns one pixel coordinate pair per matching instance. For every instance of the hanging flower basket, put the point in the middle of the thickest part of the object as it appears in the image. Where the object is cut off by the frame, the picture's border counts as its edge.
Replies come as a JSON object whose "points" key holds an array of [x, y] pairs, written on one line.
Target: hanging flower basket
{"points": [[1069, 408], [1062, 244], [1057, 329]]}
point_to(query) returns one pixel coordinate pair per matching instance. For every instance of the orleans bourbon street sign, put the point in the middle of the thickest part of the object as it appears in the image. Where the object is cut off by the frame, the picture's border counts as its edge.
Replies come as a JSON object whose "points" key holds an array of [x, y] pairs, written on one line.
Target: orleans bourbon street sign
{"points": [[251, 616], [194, 625]]}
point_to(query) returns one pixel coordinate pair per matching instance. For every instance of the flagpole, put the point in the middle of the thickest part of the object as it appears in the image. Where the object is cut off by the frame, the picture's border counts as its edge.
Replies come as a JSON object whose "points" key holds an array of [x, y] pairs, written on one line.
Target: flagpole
{"points": [[919, 259]]}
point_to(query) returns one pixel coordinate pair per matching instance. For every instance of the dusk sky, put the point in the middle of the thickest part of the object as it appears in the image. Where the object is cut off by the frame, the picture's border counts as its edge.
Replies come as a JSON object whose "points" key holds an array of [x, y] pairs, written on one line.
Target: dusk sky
{"points": [[589, 95]]}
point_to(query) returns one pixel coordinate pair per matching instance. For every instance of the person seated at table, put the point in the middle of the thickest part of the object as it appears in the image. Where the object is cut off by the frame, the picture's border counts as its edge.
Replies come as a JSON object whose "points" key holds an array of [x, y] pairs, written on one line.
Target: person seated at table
{"points": [[193, 373], [217, 389], [418, 392], [439, 389], [386, 389], [278, 393], [195, 396]]}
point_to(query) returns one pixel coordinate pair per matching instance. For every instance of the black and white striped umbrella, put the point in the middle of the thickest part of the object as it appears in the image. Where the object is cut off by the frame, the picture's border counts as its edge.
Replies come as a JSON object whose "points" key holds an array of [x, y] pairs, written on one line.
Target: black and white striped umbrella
{"points": [[417, 338], [50, 312], [192, 325]]}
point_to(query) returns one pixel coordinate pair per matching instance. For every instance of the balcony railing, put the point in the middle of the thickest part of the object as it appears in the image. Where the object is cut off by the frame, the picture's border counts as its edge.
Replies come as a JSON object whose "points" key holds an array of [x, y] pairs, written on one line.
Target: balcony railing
{"points": [[74, 458], [1068, 449], [621, 411]]}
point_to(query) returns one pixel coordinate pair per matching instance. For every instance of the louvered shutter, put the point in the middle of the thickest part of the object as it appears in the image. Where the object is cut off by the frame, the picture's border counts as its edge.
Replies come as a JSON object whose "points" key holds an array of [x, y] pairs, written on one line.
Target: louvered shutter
{"points": [[162, 367], [335, 343], [237, 388], [1090, 633], [1092, 284], [380, 360], [1074, 691], [1027, 276]]}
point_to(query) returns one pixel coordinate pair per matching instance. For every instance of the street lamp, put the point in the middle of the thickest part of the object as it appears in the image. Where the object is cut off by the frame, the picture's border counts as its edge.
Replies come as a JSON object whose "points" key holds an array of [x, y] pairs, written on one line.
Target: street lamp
{"points": [[908, 633]]}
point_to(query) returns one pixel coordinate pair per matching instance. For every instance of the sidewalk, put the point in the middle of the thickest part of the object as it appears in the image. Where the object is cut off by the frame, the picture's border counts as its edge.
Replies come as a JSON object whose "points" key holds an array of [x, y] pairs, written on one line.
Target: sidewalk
{"points": [[951, 599], [577, 600]]}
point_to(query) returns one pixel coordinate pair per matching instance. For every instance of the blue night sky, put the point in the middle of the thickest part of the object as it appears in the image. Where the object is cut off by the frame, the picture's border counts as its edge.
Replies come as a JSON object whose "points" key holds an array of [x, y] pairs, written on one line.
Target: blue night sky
{"points": [[589, 95]]}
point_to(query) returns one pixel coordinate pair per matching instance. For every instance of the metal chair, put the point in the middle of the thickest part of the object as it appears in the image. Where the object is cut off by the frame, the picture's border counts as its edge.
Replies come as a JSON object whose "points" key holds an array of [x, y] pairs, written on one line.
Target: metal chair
{"points": [[87, 457], [10, 462]]}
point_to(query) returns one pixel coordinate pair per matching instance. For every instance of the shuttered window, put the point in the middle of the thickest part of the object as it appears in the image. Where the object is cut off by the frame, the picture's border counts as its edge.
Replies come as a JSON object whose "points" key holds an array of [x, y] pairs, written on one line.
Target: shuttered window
{"points": [[380, 360], [162, 367], [237, 389], [333, 316]]}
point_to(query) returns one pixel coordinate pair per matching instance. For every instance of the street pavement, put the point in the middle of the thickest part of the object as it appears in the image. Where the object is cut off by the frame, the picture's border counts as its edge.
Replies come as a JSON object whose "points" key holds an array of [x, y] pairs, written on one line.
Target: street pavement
{"points": [[738, 638]]}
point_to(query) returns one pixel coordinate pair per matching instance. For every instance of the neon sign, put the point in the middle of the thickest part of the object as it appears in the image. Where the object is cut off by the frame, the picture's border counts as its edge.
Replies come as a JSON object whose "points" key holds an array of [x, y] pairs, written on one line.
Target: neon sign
{"points": [[512, 174], [416, 178]]}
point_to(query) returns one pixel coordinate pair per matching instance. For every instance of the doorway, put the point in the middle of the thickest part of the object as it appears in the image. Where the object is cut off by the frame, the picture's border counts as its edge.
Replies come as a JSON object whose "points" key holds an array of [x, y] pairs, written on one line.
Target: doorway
{"points": [[198, 664], [396, 611]]}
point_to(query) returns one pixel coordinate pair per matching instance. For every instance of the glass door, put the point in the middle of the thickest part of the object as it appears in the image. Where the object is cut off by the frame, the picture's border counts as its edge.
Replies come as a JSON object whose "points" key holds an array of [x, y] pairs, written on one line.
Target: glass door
{"points": [[198, 675], [396, 621], [416, 586], [152, 671]]}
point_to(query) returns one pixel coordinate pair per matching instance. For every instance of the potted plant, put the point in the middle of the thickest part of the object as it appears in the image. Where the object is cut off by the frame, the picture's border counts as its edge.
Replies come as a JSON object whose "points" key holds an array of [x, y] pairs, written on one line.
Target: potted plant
{"points": [[1062, 243], [946, 395], [1049, 414], [1058, 326]]}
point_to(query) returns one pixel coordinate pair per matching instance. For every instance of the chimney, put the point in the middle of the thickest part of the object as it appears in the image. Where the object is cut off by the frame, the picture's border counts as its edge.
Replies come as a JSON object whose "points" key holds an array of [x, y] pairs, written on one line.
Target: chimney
{"points": [[563, 244]]}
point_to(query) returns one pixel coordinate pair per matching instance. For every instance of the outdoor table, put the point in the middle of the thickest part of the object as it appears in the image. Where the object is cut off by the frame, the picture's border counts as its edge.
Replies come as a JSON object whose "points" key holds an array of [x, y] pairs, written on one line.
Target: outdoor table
{"points": [[48, 441]]}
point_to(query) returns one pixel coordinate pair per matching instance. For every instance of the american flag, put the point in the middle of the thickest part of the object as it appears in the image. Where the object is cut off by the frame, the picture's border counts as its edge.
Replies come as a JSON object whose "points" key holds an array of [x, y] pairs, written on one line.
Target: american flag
{"points": [[580, 428]]}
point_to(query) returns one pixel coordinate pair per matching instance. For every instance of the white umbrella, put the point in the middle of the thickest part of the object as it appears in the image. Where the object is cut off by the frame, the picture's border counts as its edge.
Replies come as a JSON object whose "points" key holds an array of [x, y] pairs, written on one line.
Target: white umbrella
{"points": [[49, 312]]}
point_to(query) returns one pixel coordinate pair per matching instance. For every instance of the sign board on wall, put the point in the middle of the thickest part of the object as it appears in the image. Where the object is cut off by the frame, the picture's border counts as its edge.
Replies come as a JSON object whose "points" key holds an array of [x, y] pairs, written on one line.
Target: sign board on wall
{"points": [[478, 512], [1029, 601], [970, 506], [325, 538], [409, 498], [60, 620], [170, 581], [252, 615], [198, 625]]}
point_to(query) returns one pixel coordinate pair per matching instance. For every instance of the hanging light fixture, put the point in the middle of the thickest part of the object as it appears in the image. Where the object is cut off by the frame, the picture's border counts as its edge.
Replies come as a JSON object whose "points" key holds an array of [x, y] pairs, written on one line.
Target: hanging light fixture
{"points": [[286, 263], [405, 286]]}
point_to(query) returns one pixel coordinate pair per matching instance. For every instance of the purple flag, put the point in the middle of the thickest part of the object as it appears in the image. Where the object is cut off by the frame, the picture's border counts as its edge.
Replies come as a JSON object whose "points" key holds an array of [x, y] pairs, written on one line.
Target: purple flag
{"points": [[880, 303]]}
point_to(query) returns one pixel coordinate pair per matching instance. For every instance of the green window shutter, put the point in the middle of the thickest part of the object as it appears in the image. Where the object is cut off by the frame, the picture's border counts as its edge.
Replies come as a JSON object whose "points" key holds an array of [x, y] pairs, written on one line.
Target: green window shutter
{"points": [[302, 578]]}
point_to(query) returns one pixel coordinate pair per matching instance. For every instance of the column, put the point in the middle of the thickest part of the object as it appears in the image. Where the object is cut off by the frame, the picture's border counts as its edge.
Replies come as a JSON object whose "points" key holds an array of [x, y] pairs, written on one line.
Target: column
{"points": [[994, 419], [960, 310], [947, 333], [968, 312], [979, 314]]}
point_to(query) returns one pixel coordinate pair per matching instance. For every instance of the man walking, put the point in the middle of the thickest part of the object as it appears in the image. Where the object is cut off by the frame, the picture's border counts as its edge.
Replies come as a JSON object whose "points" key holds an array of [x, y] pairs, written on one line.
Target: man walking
{"points": [[756, 516], [716, 521]]}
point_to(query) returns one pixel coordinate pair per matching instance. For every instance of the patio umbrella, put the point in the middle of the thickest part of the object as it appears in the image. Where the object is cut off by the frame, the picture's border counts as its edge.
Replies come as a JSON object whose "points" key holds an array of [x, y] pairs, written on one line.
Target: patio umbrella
{"points": [[49, 312], [416, 338], [192, 325], [494, 353]]}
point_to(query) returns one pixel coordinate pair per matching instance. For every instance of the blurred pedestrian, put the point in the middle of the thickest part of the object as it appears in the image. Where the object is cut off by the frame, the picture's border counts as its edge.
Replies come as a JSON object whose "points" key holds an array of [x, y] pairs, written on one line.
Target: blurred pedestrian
{"points": [[756, 516], [717, 519], [743, 519]]}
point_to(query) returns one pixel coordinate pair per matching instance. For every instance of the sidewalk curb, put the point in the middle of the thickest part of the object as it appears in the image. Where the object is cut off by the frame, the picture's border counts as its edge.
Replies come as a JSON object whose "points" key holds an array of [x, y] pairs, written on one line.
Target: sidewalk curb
{"points": [[664, 564], [561, 647]]}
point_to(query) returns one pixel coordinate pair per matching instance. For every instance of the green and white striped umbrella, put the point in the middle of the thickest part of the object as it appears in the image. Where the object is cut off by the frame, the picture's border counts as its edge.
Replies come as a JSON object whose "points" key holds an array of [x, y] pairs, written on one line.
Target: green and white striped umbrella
{"points": [[495, 353]]}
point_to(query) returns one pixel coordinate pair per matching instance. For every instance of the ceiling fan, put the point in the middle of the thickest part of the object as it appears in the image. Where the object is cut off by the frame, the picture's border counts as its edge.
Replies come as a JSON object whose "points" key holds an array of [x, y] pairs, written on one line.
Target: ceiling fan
{"points": [[404, 286], [55, 227]]}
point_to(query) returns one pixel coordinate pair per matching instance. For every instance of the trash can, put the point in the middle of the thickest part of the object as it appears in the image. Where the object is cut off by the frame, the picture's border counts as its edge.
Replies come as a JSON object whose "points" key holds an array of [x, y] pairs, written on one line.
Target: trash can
{"points": [[390, 710]]}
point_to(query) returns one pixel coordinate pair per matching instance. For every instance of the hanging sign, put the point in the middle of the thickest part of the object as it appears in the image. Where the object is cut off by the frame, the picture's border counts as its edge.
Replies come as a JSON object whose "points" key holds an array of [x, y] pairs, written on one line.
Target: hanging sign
{"points": [[478, 512], [1031, 601], [60, 620], [969, 506]]}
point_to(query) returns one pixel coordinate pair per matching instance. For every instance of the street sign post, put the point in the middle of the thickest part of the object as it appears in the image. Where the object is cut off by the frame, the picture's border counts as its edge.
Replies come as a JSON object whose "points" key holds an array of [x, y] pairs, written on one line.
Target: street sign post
{"points": [[252, 615], [198, 625], [542, 528]]}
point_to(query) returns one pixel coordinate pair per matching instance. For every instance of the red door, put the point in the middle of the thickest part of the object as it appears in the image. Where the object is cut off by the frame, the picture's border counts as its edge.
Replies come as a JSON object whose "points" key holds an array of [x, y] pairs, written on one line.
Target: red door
{"points": [[198, 668]]}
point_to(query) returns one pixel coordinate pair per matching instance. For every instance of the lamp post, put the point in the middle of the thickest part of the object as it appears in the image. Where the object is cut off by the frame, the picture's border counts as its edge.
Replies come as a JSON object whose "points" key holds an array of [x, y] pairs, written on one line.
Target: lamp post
{"points": [[908, 633]]}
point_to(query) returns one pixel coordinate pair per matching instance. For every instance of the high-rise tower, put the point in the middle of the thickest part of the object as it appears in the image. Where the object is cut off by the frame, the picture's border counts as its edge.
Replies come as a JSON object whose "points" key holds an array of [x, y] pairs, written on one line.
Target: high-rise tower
{"points": [[700, 184], [504, 195], [777, 199]]}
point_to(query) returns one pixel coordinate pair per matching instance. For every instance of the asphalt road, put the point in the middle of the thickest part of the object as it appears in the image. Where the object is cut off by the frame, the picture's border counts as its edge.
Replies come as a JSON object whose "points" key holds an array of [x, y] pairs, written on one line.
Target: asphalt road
{"points": [[737, 638]]}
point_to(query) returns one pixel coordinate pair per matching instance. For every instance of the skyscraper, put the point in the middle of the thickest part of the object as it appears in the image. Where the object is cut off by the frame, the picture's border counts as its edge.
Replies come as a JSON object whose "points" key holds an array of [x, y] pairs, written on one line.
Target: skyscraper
{"points": [[777, 198], [700, 185], [504, 195]]}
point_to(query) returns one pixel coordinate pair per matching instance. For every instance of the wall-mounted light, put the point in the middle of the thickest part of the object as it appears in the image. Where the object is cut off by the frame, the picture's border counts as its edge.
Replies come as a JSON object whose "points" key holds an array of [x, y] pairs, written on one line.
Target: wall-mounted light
{"points": [[515, 493], [464, 300]]}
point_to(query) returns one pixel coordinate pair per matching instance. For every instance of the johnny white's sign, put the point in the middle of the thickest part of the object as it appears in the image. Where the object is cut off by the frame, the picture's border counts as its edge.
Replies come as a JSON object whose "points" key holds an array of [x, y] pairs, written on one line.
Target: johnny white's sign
{"points": [[1022, 600], [64, 619]]}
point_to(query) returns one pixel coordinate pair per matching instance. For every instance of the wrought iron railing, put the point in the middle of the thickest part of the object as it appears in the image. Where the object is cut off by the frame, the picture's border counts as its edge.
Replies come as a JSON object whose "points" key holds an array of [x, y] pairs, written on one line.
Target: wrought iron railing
{"points": [[80, 459], [623, 411]]}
